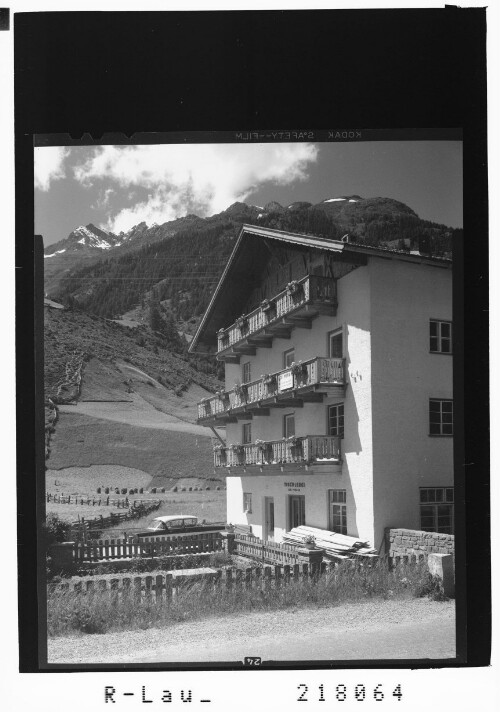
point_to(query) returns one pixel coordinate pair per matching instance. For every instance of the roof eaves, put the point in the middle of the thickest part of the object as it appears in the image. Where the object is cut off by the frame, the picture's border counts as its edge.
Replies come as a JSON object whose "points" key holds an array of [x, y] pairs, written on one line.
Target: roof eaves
{"points": [[208, 310]]}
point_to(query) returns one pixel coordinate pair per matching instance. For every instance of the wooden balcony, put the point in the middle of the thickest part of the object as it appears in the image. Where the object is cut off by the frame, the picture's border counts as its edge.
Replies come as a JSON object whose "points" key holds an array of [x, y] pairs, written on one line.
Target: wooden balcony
{"points": [[295, 307], [308, 382], [277, 455]]}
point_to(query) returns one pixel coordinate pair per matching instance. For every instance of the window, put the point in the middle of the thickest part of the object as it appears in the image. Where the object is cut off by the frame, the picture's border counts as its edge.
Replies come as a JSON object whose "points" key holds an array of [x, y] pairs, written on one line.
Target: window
{"points": [[247, 433], [337, 511], [336, 420], [247, 502], [436, 509], [289, 425], [440, 337], [440, 416], [335, 344], [246, 373], [288, 358]]}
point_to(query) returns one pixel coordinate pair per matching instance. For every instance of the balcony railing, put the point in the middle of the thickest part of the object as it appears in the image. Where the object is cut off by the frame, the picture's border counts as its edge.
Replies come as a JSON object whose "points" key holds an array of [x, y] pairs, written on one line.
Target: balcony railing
{"points": [[309, 290], [301, 450], [313, 373]]}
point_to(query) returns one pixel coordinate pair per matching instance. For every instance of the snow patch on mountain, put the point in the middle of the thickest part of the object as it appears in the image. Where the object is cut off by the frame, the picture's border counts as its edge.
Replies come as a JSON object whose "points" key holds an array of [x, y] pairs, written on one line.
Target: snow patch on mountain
{"points": [[332, 200], [91, 239], [57, 252]]}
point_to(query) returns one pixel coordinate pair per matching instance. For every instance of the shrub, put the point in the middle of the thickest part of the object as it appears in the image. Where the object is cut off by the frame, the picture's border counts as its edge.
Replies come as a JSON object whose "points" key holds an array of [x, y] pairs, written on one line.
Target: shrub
{"points": [[99, 489], [124, 490], [141, 490], [106, 490], [175, 489], [131, 491], [153, 490], [54, 530], [432, 587], [163, 490]]}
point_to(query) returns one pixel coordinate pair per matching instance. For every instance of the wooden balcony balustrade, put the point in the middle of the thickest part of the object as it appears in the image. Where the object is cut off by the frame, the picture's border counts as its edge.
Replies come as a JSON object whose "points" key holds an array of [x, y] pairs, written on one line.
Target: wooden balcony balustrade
{"points": [[306, 382], [272, 454], [296, 306]]}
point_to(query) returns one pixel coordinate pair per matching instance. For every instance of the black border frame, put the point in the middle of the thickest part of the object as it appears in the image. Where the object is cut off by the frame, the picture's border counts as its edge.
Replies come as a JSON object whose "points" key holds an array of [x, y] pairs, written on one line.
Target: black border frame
{"points": [[237, 71]]}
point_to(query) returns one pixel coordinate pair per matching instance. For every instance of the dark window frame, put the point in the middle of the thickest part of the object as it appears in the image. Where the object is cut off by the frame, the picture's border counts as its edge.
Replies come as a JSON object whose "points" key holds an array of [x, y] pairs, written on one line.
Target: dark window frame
{"points": [[286, 354], [286, 418], [431, 501], [437, 339], [339, 502], [247, 366], [441, 417], [247, 500], [246, 427], [330, 335], [340, 418]]}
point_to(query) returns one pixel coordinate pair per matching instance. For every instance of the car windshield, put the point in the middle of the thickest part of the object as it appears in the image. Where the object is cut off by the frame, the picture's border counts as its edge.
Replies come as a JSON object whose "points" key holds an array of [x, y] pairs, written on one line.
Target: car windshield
{"points": [[155, 525]]}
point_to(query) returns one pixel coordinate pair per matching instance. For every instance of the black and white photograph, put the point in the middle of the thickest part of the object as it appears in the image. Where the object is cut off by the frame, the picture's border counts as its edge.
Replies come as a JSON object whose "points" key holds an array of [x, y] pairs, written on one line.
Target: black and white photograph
{"points": [[248, 399]]}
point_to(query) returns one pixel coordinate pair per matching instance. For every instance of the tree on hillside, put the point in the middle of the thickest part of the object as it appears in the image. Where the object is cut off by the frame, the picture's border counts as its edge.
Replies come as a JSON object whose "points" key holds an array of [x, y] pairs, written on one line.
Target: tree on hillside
{"points": [[163, 323]]}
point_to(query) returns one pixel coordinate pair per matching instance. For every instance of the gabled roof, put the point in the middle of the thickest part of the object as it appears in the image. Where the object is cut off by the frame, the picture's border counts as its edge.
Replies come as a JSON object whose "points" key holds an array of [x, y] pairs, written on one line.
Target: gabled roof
{"points": [[245, 261]]}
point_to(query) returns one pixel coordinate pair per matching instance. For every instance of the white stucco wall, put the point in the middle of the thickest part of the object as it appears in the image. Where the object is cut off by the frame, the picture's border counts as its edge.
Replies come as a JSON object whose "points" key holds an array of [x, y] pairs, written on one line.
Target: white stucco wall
{"points": [[353, 316], [315, 489], [404, 297]]}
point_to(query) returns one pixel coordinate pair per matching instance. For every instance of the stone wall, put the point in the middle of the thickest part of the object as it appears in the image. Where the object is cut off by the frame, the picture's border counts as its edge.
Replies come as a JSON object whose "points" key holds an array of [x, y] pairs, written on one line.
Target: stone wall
{"points": [[404, 542]]}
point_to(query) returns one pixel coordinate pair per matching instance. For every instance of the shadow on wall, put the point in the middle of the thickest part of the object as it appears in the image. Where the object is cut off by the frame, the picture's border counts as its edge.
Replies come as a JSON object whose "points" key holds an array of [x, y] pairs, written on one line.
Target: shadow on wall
{"points": [[351, 441]]}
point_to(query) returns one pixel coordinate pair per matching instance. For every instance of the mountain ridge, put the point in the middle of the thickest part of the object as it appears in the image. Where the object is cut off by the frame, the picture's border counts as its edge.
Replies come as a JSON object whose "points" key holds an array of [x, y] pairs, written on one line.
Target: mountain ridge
{"points": [[181, 260]]}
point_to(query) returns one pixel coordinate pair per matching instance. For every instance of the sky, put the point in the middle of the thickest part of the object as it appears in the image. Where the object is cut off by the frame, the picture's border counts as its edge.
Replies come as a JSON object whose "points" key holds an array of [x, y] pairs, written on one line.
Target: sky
{"points": [[117, 187]]}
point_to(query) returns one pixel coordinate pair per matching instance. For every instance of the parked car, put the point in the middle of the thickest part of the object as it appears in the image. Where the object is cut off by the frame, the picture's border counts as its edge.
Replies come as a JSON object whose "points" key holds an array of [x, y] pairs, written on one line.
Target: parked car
{"points": [[171, 524]]}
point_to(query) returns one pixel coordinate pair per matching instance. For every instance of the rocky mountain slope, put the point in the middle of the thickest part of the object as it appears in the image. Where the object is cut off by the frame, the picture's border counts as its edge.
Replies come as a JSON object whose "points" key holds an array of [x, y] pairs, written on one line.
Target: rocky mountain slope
{"points": [[181, 261]]}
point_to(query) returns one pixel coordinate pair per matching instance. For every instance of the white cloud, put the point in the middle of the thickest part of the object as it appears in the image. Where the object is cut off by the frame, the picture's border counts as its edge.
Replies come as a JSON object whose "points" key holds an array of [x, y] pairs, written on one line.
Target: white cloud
{"points": [[197, 178], [49, 165], [103, 199]]}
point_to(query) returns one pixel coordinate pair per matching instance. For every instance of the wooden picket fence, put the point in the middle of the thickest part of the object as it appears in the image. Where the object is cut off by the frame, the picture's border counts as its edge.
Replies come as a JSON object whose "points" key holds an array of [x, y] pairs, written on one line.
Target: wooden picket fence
{"points": [[162, 587], [119, 503], [265, 550], [80, 530], [116, 549]]}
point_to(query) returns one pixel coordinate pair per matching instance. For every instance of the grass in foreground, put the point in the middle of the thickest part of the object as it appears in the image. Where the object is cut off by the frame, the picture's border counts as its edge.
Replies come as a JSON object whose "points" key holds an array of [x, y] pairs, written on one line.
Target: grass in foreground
{"points": [[102, 612]]}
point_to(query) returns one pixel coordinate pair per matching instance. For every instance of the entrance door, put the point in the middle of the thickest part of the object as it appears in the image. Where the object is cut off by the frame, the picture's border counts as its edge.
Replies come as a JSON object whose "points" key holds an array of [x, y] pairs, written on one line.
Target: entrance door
{"points": [[269, 518], [297, 508]]}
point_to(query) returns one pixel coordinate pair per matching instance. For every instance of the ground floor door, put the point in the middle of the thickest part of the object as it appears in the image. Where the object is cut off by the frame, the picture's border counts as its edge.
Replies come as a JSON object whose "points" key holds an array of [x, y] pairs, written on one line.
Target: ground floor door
{"points": [[297, 510], [269, 518]]}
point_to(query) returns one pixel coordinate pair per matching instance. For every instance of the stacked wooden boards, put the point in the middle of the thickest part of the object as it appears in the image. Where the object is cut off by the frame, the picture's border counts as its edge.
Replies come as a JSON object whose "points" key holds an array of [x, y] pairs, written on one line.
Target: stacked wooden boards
{"points": [[338, 546]]}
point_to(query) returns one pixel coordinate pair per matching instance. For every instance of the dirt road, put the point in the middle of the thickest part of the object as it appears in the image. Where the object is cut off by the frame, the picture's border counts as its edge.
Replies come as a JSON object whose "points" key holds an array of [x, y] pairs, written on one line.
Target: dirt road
{"points": [[413, 628]]}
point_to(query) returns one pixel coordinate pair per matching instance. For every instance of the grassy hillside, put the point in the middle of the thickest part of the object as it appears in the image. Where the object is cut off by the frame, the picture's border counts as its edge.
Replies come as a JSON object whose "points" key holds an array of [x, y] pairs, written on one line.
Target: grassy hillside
{"points": [[72, 334], [80, 441]]}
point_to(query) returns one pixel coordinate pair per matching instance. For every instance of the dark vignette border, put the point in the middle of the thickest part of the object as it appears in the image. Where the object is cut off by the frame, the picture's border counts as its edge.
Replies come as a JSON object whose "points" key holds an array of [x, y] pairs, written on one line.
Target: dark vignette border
{"points": [[240, 71]]}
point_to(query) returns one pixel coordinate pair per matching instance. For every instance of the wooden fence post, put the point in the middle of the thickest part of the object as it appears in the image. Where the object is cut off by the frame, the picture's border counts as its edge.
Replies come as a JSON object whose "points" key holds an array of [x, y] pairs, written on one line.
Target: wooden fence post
{"points": [[168, 587], [267, 578], [286, 574], [159, 589], [277, 575], [137, 589]]}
